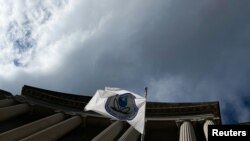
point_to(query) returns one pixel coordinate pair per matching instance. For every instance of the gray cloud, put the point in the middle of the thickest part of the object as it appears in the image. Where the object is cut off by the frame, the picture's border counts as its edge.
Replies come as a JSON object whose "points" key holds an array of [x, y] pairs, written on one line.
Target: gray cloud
{"points": [[184, 51]]}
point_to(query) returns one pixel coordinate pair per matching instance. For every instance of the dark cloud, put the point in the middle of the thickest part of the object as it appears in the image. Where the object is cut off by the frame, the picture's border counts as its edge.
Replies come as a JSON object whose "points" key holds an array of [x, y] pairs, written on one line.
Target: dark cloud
{"points": [[183, 50]]}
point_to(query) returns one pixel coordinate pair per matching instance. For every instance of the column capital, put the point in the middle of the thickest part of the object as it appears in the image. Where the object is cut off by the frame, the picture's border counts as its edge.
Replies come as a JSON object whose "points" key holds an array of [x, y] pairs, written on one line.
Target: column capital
{"points": [[187, 132], [180, 122], [205, 126]]}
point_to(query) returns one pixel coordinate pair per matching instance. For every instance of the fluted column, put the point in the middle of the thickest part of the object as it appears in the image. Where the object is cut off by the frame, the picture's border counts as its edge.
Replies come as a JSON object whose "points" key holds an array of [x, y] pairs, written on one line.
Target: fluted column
{"points": [[187, 132], [56, 131], [6, 102], [205, 127], [130, 135], [110, 132], [28, 129], [12, 111]]}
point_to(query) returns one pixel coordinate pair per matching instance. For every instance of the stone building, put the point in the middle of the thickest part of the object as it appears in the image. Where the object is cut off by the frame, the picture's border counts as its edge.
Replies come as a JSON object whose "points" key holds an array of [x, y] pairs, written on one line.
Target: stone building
{"points": [[44, 115]]}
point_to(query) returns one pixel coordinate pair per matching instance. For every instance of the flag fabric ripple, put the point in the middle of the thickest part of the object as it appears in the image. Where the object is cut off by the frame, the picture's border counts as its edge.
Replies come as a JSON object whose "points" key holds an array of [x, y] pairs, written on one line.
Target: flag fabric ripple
{"points": [[119, 104]]}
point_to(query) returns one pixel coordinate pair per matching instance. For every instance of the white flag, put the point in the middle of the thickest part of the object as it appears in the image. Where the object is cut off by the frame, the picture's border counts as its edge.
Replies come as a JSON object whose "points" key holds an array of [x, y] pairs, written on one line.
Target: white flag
{"points": [[119, 104]]}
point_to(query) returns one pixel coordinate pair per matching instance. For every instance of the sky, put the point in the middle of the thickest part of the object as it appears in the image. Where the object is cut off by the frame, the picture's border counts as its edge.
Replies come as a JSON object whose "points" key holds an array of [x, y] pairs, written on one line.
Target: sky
{"points": [[183, 51]]}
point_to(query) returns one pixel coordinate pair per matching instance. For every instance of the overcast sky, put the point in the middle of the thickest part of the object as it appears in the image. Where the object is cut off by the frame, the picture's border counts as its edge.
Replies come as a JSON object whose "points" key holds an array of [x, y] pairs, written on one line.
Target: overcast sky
{"points": [[184, 51]]}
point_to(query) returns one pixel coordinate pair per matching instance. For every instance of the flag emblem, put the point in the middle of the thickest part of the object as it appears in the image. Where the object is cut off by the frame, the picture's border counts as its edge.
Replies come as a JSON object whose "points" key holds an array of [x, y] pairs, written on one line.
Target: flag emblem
{"points": [[122, 106]]}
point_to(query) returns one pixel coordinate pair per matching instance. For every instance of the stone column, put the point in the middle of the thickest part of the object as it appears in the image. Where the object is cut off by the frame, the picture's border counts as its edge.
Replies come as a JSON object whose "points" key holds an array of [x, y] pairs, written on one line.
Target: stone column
{"points": [[110, 133], [12, 111], [6, 102], [28, 129], [205, 127], [187, 132], [130, 135], [56, 131]]}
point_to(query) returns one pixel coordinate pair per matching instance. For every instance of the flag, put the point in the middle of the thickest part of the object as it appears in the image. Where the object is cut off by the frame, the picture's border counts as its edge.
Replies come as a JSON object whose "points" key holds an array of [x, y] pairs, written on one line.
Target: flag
{"points": [[121, 105]]}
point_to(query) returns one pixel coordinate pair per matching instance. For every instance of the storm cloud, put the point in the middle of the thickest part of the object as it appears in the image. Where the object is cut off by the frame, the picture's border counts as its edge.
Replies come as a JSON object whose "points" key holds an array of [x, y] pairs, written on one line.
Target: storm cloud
{"points": [[184, 51]]}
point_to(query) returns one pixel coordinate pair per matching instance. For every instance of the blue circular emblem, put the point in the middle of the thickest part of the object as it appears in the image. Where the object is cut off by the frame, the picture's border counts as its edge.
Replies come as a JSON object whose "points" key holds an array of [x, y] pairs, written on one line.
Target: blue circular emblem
{"points": [[122, 106]]}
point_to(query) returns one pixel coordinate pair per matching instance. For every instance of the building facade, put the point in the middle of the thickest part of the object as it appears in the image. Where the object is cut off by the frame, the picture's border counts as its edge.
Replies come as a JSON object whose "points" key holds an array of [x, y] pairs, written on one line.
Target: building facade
{"points": [[44, 115]]}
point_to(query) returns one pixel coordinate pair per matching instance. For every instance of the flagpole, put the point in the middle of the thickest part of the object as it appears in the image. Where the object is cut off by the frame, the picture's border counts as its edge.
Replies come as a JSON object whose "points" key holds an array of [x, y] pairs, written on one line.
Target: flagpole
{"points": [[146, 94]]}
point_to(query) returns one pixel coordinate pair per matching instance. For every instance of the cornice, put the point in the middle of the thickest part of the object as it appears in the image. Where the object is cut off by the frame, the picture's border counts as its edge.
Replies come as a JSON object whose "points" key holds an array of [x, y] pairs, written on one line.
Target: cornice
{"points": [[153, 109]]}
